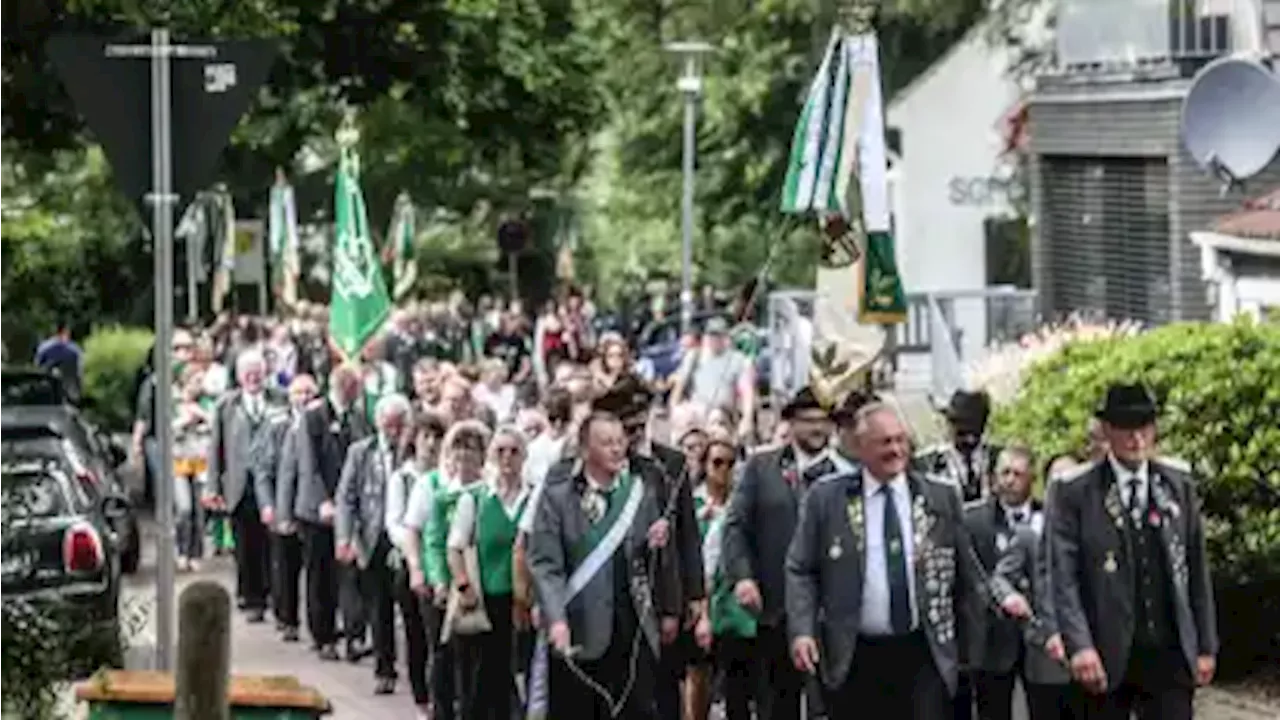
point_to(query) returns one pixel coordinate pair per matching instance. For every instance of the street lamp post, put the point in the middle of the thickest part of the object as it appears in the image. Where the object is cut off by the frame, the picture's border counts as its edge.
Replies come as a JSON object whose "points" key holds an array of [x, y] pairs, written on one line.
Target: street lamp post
{"points": [[690, 85]]}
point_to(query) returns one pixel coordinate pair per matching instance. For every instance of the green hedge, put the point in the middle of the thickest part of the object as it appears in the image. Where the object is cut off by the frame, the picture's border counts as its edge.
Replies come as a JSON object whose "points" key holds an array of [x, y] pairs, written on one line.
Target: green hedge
{"points": [[112, 356], [1219, 391]]}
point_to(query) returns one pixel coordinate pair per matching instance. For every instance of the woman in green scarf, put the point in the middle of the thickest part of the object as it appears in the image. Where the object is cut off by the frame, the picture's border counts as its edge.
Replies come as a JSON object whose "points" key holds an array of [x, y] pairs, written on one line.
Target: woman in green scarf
{"points": [[726, 630]]}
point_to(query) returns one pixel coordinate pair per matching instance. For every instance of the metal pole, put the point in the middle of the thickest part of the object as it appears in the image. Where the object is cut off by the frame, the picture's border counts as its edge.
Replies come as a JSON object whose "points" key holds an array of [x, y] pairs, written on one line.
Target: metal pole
{"points": [[193, 284], [162, 236], [513, 275], [686, 212]]}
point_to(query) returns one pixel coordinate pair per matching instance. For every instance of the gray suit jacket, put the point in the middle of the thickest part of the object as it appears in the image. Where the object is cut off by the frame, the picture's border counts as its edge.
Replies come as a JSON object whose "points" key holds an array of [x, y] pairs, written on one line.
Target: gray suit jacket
{"points": [[362, 498], [996, 641], [825, 572], [758, 526], [232, 447], [271, 448], [1024, 569], [1093, 570], [321, 449], [558, 527]]}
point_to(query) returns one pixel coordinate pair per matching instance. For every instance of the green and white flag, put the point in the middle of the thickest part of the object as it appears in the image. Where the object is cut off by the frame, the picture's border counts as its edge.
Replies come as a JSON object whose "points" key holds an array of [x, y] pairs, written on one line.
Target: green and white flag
{"points": [[404, 260], [358, 304], [282, 228]]}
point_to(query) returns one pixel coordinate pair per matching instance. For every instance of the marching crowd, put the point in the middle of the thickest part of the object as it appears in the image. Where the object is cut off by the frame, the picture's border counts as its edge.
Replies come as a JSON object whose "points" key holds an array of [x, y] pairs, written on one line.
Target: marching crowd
{"points": [[504, 488]]}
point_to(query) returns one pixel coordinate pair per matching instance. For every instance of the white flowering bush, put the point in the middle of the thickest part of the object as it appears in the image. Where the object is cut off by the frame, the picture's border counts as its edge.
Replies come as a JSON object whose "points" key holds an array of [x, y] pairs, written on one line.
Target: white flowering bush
{"points": [[1000, 370]]}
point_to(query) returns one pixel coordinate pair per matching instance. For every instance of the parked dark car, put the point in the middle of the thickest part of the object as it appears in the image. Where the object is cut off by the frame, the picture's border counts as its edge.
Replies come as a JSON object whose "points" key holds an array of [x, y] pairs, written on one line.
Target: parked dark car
{"points": [[34, 408], [60, 558]]}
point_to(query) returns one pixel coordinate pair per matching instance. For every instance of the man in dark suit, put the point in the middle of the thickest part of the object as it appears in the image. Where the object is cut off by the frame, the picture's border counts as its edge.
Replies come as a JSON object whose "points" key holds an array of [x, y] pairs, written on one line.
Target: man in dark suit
{"points": [[326, 430], [629, 399], [967, 459], [239, 418], [879, 576], [997, 652], [591, 559], [278, 457], [1129, 571], [758, 527], [361, 532]]}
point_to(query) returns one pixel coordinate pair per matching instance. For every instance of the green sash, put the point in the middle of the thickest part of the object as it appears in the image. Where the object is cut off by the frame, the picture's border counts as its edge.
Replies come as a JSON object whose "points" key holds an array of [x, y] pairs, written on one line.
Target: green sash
{"points": [[598, 529]]}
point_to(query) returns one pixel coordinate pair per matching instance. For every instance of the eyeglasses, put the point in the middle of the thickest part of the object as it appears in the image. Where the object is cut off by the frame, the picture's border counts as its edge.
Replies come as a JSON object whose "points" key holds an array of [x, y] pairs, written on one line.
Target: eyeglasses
{"points": [[721, 462]]}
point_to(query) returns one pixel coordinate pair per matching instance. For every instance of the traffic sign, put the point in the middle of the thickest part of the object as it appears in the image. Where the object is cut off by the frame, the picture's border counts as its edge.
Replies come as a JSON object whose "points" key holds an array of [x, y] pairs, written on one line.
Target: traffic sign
{"points": [[212, 87]]}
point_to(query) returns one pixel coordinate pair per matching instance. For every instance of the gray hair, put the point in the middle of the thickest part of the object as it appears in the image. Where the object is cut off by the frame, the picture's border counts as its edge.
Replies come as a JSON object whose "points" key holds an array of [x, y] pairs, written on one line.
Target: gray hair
{"points": [[508, 431], [878, 407], [390, 405], [250, 358]]}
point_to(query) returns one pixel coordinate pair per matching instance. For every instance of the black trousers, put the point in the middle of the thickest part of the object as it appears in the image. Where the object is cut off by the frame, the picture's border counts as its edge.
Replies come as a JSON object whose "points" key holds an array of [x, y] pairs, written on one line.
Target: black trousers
{"points": [[287, 557], [441, 669], [252, 553], [966, 692], [1051, 702], [412, 609], [1157, 685], [779, 684], [322, 581], [994, 693], [488, 685], [894, 677], [669, 673], [735, 663], [377, 582]]}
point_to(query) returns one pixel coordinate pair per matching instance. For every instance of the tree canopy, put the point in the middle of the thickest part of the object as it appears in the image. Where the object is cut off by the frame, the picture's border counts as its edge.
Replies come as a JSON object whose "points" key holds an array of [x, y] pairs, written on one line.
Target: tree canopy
{"points": [[475, 106]]}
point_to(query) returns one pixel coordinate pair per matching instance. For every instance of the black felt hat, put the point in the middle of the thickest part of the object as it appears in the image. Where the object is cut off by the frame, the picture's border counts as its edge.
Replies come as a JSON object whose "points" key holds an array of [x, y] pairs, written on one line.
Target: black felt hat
{"points": [[629, 396], [968, 411], [805, 399], [1128, 405], [852, 403]]}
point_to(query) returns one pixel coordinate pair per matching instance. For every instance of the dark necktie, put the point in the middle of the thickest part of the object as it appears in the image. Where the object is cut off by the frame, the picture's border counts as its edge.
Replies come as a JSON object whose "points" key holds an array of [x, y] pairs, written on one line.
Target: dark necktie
{"points": [[1135, 485], [1019, 517], [817, 471], [896, 565], [972, 486]]}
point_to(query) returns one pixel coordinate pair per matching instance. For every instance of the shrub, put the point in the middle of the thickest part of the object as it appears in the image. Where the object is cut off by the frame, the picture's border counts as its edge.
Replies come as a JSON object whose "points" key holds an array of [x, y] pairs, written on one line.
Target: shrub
{"points": [[112, 356], [1219, 390]]}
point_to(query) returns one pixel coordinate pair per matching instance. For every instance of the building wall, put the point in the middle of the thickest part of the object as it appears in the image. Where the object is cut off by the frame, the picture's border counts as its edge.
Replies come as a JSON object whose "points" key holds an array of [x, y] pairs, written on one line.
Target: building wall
{"points": [[1126, 120]]}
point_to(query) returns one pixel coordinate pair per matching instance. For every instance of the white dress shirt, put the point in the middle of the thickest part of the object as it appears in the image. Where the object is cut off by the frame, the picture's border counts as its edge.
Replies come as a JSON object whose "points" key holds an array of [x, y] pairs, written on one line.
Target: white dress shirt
{"points": [[876, 617], [400, 487], [1125, 478]]}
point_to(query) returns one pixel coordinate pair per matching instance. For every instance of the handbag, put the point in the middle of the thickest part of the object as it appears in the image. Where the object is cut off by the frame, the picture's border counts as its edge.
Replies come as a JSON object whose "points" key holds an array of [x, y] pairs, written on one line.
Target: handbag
{"points": [[459, 620]]}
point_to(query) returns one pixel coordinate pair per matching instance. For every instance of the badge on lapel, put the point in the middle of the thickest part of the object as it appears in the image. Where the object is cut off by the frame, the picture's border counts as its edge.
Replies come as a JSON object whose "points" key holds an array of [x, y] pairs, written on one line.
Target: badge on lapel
{"points": [[1109, 565], [1002, 542], [836, 550]]}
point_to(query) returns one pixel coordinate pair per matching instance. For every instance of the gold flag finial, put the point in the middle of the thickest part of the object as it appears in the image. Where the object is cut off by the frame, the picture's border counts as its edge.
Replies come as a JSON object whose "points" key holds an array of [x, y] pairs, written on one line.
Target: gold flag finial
{"points": [[348, 132]]}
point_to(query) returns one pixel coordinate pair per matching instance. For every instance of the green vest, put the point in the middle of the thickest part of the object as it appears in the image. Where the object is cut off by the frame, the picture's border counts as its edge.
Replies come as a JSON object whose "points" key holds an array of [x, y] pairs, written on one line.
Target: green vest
{"points": [[728, 617], [495, 540], [435, 534]]}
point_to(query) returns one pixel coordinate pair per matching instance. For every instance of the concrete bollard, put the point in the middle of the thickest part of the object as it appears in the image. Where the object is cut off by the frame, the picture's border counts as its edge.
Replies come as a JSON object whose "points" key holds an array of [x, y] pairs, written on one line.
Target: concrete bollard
{"points": [[204, 653]]}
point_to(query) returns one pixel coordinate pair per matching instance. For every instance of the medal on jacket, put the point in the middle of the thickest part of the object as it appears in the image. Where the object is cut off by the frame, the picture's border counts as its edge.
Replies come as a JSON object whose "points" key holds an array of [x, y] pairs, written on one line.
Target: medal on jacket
{"points": [[1109, 565], [836, 550], [1002, 542], [593, 505]]}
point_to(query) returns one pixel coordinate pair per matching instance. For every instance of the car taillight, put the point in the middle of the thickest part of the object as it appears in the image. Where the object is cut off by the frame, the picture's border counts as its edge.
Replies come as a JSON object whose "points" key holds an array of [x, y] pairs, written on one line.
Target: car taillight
{"points": [[81, 549], [87, 476]]}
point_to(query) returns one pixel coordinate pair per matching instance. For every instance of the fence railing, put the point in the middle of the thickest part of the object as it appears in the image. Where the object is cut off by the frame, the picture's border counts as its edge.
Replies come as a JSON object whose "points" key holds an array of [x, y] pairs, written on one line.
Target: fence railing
{"points": [[971, 320]]}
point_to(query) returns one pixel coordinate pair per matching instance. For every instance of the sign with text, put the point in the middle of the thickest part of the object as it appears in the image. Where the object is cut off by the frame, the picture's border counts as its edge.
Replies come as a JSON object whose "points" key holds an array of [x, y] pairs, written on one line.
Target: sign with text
{"points": [[983, 191]]}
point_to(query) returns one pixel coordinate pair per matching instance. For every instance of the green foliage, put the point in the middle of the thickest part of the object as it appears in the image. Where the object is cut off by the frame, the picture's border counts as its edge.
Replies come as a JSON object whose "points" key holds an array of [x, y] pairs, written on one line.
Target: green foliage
{"points": [[1220, 402], [112, 356]]}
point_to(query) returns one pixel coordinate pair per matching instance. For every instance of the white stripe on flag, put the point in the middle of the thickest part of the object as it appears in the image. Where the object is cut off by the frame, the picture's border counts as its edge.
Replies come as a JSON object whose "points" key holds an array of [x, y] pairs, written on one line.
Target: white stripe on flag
{"points": [[819, 115], [833, 135]]}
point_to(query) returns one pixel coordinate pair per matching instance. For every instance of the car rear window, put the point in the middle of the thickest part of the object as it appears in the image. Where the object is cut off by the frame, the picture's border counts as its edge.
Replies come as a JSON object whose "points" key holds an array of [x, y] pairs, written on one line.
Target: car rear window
{"points": [[27, 389], [32, 494]]}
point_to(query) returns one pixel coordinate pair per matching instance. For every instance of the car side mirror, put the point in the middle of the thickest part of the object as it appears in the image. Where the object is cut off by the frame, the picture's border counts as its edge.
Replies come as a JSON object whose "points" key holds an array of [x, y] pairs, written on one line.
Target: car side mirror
{"points": [[115, 507], [117, 454]]}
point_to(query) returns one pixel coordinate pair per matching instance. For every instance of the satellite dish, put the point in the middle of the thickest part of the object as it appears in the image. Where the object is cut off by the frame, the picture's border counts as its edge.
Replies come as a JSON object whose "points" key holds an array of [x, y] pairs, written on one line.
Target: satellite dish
{"points": [[1231, 118]]}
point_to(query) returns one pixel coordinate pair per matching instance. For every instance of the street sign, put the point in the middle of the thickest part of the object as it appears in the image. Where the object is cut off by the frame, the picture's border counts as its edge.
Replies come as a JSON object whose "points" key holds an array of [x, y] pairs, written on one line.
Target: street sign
{"points": [[212, 88]]}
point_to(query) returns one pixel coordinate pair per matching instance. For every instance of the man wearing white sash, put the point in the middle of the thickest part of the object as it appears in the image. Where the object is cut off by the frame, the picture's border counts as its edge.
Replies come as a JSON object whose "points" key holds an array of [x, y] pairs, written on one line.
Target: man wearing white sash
{"points": [[593, 566]]}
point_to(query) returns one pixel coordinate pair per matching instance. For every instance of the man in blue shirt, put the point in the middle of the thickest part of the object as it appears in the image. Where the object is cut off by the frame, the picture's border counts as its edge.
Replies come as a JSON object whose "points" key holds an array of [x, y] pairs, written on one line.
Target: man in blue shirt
{"points": [[62, 357]]}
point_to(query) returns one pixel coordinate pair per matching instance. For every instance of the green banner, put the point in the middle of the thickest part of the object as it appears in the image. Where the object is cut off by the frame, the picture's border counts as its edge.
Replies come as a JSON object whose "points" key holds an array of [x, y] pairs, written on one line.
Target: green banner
{"points": [[882, 298], [358, 304]]}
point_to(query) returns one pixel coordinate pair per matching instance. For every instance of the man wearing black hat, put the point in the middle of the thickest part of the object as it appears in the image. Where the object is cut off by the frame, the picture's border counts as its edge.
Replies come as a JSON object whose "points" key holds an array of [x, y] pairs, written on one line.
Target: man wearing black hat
{"points": [[759, 524], [968, 460], [1129, 571]]}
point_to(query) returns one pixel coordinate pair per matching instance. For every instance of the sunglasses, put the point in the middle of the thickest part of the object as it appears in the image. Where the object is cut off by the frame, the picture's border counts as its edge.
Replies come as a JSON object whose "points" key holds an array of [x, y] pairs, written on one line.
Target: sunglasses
{"points": [[720, 462]]}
